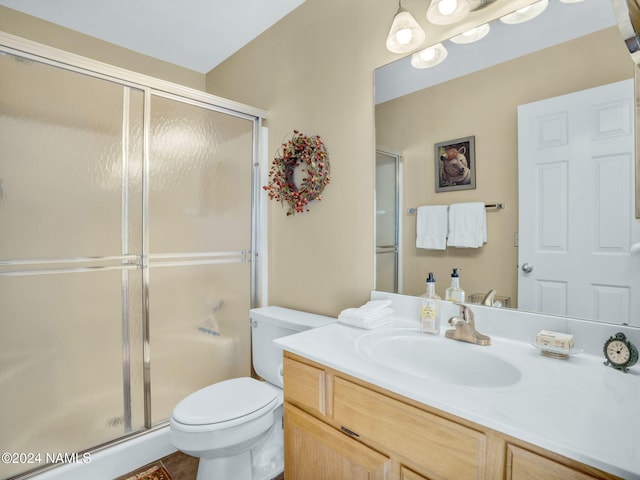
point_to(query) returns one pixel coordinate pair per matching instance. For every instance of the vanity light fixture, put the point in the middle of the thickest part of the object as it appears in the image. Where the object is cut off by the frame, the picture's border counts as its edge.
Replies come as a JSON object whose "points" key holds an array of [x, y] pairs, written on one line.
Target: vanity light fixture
{"points": [[472, 35], [526, 13], [429, 57], [446, 12], [405, 34]]}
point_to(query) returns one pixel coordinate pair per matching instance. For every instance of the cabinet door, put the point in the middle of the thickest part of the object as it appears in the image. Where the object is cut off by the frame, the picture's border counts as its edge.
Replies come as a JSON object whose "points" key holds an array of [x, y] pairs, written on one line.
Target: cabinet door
{"points": [[316, 451], [525, 465], [305, 386]]}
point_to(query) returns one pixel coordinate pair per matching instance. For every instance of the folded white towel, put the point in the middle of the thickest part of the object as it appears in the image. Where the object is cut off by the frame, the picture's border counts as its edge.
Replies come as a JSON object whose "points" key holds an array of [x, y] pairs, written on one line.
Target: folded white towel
{"points": [[467, 225], [431, 227], [372, 314]]}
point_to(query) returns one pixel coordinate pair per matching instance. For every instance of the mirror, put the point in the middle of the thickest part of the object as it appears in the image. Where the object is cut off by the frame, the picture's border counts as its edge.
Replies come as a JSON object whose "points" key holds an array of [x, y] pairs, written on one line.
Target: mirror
{"points": [[476, 92], [628, 16]]}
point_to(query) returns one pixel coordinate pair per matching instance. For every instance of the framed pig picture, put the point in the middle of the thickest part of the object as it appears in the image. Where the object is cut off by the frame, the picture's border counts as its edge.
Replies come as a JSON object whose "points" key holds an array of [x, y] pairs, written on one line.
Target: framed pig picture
{"points": [[455, 162]]}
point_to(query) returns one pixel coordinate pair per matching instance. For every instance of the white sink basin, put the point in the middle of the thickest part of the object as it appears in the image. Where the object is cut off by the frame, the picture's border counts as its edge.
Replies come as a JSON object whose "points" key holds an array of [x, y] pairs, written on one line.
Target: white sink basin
{"points": [[434, 358]]}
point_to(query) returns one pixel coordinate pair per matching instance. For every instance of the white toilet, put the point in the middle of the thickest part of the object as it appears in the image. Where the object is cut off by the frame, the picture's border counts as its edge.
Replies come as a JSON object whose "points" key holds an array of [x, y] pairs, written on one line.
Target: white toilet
{"points": [[235, 426]]}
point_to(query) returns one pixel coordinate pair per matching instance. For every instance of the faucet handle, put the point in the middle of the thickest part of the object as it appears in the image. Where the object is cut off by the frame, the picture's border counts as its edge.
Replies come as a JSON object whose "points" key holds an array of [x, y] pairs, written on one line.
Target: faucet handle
{"points": [[489, 298], [466, 313]]}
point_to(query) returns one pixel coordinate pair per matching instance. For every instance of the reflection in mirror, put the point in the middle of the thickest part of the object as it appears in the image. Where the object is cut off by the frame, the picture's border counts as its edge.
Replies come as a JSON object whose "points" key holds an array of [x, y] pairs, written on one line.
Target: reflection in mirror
{"points": [[628, 16], [387, 198], [477, 92]]}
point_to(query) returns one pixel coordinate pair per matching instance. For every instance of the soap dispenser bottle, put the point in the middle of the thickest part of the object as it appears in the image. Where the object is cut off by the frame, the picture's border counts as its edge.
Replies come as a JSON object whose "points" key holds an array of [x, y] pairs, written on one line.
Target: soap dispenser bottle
{"points": [[454, 293], [430, 308]]}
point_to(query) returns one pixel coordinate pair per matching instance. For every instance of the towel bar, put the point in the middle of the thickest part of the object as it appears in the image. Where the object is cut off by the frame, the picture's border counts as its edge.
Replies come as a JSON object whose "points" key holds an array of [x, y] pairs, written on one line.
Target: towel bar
{"points": [[497, 206]]}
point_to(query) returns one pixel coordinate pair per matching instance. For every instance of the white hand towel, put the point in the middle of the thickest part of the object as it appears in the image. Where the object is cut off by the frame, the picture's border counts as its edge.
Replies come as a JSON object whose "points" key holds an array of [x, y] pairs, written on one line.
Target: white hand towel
{"points": [[431, 227], [467, 225], [372, 314]]}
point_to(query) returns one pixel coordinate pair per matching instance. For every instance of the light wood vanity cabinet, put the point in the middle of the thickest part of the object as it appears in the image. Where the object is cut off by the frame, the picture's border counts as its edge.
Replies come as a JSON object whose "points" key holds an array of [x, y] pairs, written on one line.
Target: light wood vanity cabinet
{"points": [[342, 428], [525, 465]]}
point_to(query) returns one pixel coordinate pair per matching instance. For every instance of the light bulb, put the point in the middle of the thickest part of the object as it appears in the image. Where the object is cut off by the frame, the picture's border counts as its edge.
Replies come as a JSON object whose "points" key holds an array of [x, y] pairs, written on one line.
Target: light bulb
{"points": [[526, 13], [446, 12], [427, 54], [472, 35], [429, 57], [403, 36], [447, 7]]}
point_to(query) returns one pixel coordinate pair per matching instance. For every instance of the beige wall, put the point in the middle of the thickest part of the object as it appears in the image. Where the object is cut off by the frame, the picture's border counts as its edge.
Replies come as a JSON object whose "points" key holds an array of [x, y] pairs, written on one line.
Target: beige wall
{"points": [[485, 104], [313, 71], [31, 28]]}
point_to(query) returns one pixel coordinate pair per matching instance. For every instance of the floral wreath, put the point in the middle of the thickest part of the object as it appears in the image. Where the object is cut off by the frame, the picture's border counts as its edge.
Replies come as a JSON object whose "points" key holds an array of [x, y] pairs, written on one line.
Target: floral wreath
{"points": [[310, 153]]}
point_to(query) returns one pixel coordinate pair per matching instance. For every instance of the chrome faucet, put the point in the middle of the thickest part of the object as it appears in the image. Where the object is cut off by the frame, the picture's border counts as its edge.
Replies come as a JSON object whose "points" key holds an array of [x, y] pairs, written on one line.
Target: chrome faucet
{"points": [[465, 328], [489, 298]]}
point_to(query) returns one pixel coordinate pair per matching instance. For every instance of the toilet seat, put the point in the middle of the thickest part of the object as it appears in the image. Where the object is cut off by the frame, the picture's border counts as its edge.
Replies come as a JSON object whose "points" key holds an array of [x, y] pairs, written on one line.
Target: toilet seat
{"points": [[226, 403]]}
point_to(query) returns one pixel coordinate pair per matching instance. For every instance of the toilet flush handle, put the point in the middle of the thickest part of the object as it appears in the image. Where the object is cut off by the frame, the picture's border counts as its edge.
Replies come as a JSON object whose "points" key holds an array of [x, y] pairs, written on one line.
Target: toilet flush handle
{"points": [[281, 373]]}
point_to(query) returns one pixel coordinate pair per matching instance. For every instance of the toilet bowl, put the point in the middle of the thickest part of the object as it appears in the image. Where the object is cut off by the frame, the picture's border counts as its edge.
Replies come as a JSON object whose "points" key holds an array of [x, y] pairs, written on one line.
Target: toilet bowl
{"points": [[235, 426], [222, 423]]}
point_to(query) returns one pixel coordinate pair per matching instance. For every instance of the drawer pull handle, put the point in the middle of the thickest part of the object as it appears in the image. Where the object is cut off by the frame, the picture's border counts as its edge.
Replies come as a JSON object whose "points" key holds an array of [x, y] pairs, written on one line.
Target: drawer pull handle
{"points": [[349, 432]]}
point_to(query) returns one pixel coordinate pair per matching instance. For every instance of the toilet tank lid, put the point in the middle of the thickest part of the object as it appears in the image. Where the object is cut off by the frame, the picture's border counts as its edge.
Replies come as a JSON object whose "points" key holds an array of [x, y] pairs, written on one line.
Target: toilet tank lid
{"points": [[224, 401], [288, 318]]}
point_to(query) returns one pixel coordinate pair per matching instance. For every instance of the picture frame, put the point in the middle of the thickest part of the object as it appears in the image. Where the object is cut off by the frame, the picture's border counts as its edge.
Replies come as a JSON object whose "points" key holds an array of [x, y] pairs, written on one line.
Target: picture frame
{"points": [[455, 164]]}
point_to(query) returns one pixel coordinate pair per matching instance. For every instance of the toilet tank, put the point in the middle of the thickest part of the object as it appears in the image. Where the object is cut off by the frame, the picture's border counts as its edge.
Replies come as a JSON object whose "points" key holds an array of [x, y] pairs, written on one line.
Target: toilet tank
{"points": [[269, 323]]}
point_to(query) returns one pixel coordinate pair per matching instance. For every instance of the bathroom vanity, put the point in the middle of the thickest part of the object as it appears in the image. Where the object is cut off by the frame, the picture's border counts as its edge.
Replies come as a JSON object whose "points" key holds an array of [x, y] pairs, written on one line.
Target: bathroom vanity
{"points": [[370, 404]]}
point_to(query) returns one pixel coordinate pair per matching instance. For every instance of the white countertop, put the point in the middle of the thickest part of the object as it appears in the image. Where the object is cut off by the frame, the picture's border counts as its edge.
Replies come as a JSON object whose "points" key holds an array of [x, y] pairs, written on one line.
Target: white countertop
{"points": [[578, 407]]}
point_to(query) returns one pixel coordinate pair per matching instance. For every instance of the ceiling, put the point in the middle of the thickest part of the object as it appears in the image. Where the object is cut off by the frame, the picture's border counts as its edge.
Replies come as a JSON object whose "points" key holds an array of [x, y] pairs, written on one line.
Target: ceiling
{"points": [[195, 34]]}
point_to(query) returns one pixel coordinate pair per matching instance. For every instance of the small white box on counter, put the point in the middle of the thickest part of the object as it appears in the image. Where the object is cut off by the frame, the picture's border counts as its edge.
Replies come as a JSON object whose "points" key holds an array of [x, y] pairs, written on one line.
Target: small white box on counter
{"points": [[548, 338]]}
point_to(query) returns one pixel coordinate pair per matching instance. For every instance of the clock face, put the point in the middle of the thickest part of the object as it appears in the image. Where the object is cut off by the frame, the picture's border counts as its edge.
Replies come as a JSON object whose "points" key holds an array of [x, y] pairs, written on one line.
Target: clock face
{"points": [[618, 352]]}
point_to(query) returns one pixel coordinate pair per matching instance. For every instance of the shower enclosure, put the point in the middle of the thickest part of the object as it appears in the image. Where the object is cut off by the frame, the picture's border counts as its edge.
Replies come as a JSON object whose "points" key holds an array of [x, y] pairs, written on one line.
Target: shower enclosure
{"points": [[127, 217]]}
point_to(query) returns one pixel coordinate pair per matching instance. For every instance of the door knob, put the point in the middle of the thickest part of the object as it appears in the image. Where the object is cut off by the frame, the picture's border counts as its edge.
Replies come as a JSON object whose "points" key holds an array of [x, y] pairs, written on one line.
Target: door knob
{"points": [[635, 248], [526, 268]]}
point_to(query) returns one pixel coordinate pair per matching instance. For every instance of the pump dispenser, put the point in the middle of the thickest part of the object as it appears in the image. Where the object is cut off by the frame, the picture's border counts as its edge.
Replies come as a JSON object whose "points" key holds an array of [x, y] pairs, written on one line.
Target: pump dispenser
{"points": [[455, 293], [430, 308]]}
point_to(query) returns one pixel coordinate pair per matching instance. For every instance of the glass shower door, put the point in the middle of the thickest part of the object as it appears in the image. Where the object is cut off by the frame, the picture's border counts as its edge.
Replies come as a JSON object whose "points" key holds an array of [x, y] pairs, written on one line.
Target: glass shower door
{"points": [[126, 229], [387, 222], [199, 225], [70, 286]]}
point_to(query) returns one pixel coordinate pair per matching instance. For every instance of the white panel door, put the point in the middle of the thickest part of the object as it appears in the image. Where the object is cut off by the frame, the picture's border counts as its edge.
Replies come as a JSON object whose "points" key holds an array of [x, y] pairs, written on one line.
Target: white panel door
{"points": [[576, 217]]}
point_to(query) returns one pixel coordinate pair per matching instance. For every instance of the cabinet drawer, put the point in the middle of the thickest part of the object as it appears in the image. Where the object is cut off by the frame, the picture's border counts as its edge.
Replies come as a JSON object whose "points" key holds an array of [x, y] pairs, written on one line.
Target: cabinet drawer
{"points": [[434, 446], [316, 451], [525, 465], [305, 386]]}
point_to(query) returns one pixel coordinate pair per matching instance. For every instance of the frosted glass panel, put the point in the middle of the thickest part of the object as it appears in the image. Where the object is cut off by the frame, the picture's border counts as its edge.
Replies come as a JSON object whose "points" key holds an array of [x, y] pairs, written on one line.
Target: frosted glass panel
{"points": [[385, 200], [73, 214], [62, 362], [199, 330], [61, 168], [386, 272], [200, 179]]}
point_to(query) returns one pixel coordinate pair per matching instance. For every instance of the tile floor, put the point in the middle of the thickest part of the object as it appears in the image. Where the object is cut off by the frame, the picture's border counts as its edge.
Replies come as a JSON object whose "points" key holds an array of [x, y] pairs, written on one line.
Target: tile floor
{"points": [[179, 465]]}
